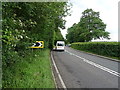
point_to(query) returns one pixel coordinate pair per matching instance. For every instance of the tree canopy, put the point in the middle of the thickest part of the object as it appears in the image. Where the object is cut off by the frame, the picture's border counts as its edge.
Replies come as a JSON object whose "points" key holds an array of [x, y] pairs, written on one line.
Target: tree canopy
{"points": [[26, 22], [90, 27]]}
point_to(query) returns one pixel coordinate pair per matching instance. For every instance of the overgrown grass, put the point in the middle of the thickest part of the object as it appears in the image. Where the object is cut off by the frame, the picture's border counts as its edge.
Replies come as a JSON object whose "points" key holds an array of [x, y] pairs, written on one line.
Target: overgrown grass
{"points": [[32, 71]]}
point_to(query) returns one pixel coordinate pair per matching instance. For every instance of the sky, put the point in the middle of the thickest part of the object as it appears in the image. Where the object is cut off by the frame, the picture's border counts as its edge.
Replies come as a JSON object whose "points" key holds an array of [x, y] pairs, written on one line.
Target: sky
{"points": [[108, 13]]}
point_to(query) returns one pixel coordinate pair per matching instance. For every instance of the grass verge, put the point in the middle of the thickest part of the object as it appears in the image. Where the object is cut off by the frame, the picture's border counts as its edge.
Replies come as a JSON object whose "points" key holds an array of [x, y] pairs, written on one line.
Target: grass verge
{"points": [[32, 71]]}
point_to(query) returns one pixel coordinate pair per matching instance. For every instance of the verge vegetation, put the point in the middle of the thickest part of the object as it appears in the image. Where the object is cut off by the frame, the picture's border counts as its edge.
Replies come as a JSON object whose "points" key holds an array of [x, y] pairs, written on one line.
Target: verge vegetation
{"points": [[24, 23], [32, 71], [109, 49]]}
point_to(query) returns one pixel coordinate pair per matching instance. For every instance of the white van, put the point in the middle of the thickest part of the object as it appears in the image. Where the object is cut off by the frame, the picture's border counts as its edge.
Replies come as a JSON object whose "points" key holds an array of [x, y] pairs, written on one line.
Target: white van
{"points": [[60, 45]]}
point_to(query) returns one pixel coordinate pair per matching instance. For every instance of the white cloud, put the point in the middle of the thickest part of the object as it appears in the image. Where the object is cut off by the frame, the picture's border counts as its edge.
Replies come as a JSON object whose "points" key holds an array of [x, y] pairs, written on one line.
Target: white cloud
{"points": [[108, 13]]}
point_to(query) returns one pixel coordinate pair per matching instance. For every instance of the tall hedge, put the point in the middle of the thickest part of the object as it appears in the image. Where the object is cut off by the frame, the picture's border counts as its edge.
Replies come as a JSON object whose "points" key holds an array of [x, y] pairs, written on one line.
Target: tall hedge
{"points": [[110, 49]]}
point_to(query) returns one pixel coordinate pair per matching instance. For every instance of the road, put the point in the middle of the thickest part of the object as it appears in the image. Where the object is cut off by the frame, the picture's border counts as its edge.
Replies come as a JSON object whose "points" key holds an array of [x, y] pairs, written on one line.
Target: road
{"points": [[82, 70]]}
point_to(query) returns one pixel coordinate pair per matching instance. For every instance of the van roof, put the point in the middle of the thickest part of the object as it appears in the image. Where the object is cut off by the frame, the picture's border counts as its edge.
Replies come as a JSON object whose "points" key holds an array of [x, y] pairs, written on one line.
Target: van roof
{"points": [[60, 41]]}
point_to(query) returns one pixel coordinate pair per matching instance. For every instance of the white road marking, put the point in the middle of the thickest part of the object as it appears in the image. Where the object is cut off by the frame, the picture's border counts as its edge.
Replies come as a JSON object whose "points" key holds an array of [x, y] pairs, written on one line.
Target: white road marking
{"points": [[96, 65], [61, 80]]}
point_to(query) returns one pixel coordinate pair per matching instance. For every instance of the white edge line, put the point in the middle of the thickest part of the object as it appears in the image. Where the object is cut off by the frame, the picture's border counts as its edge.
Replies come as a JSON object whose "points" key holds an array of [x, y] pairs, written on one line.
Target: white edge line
{"points": [[61, 80], [53, 73], [97, 65]]}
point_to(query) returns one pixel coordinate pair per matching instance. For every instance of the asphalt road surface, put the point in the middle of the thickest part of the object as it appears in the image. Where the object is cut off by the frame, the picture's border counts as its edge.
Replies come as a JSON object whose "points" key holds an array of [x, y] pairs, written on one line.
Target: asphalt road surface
{"points": [[82, 70]]}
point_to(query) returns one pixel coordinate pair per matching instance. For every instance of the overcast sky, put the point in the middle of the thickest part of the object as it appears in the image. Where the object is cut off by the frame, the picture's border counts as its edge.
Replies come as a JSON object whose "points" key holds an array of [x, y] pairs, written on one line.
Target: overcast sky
{"points": [[108, 13]]}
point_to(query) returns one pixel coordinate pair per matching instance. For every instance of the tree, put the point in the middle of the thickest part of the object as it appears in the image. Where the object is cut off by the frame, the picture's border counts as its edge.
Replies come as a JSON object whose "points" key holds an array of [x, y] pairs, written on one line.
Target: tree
{"points": [[27, 22], [90, 27], [93, 26], [23, 23]]}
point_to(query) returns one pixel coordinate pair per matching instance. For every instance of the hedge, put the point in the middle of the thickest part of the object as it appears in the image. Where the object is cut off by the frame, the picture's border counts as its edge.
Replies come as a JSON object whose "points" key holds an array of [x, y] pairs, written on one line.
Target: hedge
{"points": [[110, 49]]}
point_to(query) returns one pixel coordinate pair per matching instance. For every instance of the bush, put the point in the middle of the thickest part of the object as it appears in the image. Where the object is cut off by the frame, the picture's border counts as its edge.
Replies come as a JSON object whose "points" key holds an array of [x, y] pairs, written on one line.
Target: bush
{"points": [[102, 48]]}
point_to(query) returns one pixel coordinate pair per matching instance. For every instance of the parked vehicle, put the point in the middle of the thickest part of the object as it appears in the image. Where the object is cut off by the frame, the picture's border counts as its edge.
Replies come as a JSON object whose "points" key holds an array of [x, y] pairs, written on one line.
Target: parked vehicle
{"points": [[68, 45], [60, 45]]}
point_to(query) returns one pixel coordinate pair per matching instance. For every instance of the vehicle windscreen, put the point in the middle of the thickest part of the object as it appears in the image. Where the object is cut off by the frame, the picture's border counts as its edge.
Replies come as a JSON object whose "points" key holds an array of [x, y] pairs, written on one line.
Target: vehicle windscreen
{"points": [[60, 44]]}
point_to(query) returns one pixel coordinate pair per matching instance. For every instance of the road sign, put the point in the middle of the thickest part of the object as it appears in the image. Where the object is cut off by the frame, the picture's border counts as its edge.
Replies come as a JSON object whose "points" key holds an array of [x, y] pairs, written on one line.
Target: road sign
{"points": [[38, 44]]}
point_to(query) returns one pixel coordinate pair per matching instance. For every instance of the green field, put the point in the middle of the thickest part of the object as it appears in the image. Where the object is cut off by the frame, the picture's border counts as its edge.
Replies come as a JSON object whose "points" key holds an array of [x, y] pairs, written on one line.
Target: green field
{"points": [[109, 49], [32, 71]]}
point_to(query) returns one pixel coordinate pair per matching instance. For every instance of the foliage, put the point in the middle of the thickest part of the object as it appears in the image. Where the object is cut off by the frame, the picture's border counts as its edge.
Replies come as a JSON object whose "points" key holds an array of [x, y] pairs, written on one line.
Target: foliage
{"points": [[109, 49], [58, 37], [23, 23], [90, 27], [33, 71]]}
